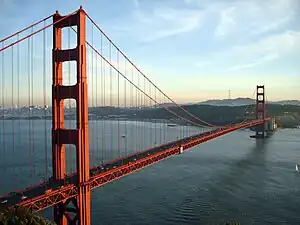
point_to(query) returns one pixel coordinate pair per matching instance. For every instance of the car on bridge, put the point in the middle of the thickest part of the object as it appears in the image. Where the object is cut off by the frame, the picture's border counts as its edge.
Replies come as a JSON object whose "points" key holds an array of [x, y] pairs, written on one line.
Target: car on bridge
{"points": [[23, 197], [48, 191], [4, 200]]}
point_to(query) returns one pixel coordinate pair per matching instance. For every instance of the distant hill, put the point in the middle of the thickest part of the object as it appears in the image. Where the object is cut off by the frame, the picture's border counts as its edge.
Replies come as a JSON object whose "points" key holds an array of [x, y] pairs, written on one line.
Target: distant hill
{"points": [[244, 101], [228, 102], [288, 102], [166, 105]]}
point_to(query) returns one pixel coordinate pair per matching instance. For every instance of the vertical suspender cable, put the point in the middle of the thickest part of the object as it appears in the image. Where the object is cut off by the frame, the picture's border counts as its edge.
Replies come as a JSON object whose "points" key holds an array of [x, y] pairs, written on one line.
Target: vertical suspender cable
{"points": [[30, 109], [131, 108], [103, 103], [140, 114], [189, 130], [111, 106], [18, 94], [105, 142], [162, 121], [137, 117], [118, 83], [67, 106], [45, 103], [155, 107], [142, 121], [165, 121], [150, 121], [3, 109], [97, 116], [125, 106], [144, 118], [92, 148], [32, 88], [13, 110]]}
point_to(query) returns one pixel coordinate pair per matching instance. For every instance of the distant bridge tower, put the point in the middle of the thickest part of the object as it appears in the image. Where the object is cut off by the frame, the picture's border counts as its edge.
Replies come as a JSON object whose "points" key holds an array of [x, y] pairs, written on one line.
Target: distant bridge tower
{"points": [[260, 110], [61, 135]]}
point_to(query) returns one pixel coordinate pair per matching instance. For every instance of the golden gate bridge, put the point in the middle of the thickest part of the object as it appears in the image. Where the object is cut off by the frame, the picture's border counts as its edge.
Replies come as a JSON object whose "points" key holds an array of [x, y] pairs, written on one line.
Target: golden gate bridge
{"points": [[108, 86]]}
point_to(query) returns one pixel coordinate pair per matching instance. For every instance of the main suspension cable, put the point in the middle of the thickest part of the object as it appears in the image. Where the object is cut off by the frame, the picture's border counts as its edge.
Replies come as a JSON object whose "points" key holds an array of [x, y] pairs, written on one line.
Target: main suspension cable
{"points": [[26, 28], [38, 31], [192, 115], [112, 66], [138, 88]]}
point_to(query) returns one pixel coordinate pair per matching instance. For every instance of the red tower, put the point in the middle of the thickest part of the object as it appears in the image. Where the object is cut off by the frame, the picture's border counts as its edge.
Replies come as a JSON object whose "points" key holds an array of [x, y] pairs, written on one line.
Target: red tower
{"points": [[260, 110], [79, 136]]}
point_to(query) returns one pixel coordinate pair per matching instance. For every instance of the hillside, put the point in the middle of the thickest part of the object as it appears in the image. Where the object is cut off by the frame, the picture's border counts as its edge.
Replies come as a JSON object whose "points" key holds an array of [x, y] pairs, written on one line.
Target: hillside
{"points": [[21, 216], [244, 101], [287, 115]]}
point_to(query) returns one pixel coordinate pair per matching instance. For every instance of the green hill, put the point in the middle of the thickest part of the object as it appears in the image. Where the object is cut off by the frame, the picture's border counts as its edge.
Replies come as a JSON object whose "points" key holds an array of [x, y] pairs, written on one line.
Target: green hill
{"points": [[286, 115]]}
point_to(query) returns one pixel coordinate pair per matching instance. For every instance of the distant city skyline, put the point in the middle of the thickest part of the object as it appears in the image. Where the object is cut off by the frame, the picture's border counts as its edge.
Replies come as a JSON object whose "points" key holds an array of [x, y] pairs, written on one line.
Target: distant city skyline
{"points": [[193, 50], [224, 101]]}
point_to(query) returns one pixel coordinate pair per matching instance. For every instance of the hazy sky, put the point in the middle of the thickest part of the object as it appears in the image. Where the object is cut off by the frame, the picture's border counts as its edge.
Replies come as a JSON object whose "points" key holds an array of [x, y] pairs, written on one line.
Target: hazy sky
{"points": [[193, 49]]}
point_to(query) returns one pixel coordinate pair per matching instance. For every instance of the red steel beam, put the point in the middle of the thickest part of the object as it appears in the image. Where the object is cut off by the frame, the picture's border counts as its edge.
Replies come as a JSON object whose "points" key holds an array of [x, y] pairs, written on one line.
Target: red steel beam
{"points": [[47, 200]]}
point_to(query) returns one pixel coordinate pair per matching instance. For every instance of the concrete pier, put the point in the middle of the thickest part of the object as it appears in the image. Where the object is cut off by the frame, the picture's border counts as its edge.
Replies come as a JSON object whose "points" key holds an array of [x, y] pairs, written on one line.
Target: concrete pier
{"points": [[264, 130]]}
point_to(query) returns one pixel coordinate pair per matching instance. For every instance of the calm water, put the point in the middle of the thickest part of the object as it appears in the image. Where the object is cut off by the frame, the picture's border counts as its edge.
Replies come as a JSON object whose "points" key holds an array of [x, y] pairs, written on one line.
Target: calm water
{"points": [[232, 178]]}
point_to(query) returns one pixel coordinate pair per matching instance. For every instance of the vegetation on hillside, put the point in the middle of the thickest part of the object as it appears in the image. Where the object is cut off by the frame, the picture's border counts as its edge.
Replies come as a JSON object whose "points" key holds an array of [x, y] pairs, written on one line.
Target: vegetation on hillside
{"points": [[18, 215], [286, 115]]}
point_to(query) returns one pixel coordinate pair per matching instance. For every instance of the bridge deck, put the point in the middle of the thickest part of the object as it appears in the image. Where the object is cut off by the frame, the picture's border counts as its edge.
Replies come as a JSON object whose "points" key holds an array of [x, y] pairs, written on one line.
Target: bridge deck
{"points": [[44, 195]]}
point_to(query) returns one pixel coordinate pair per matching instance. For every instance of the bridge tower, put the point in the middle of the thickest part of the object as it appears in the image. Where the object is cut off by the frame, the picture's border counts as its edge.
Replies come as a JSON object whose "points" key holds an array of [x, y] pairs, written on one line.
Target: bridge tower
{"points": [[260, 110], [80, 205]]}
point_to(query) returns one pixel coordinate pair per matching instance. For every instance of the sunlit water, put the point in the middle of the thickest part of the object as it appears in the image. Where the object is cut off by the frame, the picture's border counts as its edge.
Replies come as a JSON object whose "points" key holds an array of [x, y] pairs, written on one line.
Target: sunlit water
{"points": [[233, 178]]}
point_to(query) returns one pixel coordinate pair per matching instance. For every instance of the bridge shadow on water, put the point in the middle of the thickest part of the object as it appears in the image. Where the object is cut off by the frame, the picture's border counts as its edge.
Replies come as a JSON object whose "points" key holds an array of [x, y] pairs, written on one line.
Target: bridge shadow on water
{"points": [[246, 192], [238, 182], [252, 164]]}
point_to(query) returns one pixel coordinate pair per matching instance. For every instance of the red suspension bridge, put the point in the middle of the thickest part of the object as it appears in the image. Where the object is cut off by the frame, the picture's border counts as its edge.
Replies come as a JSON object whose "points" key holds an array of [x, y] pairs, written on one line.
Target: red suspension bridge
{"points": [[103, 118]]}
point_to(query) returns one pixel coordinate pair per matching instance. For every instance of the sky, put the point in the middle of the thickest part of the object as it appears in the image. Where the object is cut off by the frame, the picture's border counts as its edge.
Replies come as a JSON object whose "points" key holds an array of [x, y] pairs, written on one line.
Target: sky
{"points": [[193, 50]]}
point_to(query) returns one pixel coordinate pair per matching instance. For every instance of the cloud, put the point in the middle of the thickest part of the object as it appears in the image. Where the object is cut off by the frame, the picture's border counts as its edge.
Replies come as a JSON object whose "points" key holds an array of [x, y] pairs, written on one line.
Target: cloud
{"points": [[166, 22], [243, 25], [272, 25], [136, 3], [254, 53], [262, 51], [226, 22], [149, 23], [256, 62], [282, 43], [253, 17]]}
